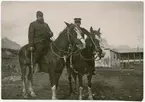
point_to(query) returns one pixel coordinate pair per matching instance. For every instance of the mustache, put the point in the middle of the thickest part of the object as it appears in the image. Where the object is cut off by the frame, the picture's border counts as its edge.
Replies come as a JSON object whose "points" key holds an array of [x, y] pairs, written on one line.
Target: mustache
{"points": [[40, 20]]}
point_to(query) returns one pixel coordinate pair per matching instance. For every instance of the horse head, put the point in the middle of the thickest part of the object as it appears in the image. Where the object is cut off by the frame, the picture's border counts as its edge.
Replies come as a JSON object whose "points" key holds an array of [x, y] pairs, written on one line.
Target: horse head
{"points": [[74, 36], [95, 39]]}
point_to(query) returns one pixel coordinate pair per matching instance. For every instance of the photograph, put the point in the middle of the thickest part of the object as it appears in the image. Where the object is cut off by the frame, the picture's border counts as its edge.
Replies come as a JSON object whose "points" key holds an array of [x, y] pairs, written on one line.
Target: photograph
{"points": [[72, 50]]}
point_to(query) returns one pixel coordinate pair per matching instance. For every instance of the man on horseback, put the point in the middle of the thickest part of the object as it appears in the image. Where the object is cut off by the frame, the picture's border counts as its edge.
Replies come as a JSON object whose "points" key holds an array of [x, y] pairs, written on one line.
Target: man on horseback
{"points": [[39, 35], [84, 33], [77, 21]]}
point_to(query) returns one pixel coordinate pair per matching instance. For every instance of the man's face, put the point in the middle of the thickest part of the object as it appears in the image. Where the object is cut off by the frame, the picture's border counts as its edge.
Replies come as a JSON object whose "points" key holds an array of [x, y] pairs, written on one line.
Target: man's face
{"points": [[40, 18], [78, 23]]}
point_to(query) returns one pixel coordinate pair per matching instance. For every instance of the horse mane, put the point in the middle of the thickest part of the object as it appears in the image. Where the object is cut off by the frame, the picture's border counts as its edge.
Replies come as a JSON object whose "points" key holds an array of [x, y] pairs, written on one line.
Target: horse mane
{"points": [[61, 34]]}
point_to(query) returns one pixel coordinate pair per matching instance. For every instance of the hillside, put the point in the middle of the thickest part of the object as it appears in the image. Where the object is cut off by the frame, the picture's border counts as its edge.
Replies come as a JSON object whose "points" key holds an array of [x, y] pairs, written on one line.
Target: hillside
{"points": [[7, 43]]}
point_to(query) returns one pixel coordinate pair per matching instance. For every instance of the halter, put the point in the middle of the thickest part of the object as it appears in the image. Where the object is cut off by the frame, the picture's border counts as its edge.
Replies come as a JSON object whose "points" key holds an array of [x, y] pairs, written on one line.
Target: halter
{"points": [[91, 58], [71, 46]]}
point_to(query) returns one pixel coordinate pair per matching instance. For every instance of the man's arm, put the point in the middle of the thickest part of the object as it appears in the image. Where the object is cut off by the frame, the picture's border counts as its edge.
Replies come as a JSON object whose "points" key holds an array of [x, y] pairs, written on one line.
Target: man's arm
{"points": [[49, 31], [31, 35], [85, 31]]}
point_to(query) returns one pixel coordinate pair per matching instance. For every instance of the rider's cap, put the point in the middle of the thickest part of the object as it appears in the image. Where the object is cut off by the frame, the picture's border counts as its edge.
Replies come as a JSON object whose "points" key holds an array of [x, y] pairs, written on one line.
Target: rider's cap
{"points": [[39, 13], [77, 20]]}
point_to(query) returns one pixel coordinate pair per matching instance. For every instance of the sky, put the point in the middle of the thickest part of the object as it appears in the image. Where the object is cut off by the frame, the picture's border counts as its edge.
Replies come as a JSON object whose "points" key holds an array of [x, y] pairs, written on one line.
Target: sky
{"points": [[121, 23]]}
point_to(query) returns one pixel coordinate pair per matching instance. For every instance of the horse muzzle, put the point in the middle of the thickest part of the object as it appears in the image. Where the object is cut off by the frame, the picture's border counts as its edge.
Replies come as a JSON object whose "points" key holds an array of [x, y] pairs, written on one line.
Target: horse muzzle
{"points": [[103, 54], [98, 52]]}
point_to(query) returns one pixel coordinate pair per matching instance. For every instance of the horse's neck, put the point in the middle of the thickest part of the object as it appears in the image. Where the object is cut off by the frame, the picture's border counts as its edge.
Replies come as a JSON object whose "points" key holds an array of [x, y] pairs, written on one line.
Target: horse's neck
{"points": [[62, 42], [87, 52]]}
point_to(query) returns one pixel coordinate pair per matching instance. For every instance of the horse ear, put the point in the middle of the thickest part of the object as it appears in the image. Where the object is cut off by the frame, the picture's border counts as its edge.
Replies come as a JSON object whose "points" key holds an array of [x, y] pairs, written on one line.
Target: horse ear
{"points": [[66, 23], [91, 29], [99, 30]]}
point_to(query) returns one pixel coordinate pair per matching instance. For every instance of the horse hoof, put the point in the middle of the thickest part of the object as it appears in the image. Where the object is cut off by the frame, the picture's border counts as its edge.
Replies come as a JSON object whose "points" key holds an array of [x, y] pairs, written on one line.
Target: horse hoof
{"points": [[71, 94], [80, 98], [25, 95], [90, 97], [33, 94], [54, 98]]}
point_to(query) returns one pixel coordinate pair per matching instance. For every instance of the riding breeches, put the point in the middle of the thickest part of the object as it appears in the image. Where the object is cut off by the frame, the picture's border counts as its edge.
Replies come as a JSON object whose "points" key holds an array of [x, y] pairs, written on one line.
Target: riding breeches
{"points": [[41, 49]]}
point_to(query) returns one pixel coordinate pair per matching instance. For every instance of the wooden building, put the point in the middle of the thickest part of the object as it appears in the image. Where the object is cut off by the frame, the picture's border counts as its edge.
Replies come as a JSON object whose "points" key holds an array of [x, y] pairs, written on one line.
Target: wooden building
{"points": [[110, 60], [121, 59], [129, 58]]}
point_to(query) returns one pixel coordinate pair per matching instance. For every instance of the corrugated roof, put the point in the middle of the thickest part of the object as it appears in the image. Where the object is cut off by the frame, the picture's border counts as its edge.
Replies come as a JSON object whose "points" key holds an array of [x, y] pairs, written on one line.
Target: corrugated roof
{"points": [[131, 50], [114, 50], [134, 50]]}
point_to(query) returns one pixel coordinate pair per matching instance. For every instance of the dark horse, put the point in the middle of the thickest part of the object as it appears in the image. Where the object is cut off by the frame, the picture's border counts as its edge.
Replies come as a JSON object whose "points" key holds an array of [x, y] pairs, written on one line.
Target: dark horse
{"points": [[53, 62], [84, 62]]}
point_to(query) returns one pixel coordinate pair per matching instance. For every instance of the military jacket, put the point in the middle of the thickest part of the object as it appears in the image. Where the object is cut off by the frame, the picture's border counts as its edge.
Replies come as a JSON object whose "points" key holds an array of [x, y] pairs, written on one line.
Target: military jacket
{"points": [[38, 32]]}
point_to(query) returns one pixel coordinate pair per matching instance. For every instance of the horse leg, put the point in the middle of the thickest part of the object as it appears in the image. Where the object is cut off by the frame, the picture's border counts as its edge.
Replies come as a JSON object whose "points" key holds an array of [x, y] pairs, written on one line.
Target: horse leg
{"points": [[70, 84], [57, 79], [80, 76], [70, 81], [75, 79], [24, 81], [30, 79], [89, 76], [69, 75], [58, 74], [53, 84]]}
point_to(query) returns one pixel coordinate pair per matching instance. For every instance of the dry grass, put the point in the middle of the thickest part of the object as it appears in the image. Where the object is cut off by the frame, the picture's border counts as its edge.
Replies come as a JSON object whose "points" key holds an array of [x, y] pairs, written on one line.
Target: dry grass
{"points": [[106, 85]]}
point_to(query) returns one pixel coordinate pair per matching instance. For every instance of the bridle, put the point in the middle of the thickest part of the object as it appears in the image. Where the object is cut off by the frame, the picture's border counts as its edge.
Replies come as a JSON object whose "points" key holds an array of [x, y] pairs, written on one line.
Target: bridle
{"points": [[71, 46], [91, 58]]}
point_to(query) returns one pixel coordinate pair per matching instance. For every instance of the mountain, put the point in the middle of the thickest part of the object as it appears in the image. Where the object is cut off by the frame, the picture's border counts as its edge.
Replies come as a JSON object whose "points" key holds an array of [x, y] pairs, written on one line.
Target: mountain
{"points": [[7, 43], [120, 48], [126, 48]]}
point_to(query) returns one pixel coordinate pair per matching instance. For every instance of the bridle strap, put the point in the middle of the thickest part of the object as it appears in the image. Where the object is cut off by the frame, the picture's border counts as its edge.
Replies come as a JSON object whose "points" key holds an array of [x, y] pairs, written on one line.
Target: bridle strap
{"points": [[92, 58], [67, 52], [87, 58], [94, 42], [55, 53]]}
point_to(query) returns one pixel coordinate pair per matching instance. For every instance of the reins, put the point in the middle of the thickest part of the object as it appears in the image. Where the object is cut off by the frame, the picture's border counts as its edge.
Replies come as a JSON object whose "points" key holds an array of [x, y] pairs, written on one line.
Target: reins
{"points": [[59, 51], [91, 58], [87, 58], [69, 53]]}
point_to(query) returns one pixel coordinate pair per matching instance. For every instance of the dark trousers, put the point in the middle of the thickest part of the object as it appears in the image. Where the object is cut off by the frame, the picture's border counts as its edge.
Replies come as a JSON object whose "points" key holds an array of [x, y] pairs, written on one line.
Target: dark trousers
{"points": [[41, 49]]}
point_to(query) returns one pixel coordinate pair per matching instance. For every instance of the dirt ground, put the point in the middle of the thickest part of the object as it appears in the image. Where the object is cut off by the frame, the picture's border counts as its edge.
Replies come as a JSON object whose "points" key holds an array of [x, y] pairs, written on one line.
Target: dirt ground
{"points": [[106, 84]]}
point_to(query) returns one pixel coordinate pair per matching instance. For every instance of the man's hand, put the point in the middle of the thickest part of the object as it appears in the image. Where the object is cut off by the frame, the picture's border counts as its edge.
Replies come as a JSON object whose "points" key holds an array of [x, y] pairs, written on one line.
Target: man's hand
{"points": [[31, 49], [51, 34]]}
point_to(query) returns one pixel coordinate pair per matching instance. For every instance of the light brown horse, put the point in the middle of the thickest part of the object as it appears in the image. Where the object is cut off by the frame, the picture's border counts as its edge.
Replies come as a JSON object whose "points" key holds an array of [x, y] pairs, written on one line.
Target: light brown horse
{"points": [[53, 62]]}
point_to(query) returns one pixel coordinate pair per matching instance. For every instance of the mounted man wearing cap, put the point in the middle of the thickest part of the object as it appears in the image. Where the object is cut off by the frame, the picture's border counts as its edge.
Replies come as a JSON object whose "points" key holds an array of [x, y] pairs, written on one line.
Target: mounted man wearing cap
{"points": [[77, 21], [39, 35]]}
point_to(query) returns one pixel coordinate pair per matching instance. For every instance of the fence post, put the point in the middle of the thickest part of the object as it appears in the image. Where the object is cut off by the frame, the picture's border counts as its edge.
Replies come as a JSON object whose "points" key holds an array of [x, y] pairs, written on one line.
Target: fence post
{"points": [[128, 61]]}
